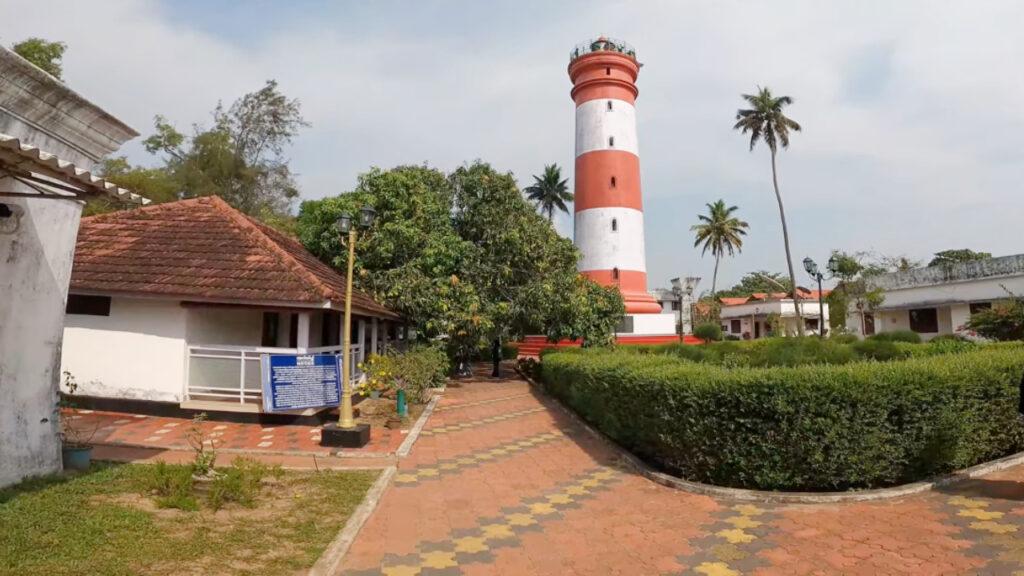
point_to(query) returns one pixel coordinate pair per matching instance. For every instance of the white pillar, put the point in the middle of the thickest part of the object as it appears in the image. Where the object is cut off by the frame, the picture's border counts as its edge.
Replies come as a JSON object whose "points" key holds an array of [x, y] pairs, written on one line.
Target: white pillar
{"points": [[373, 336], [362, 340], [302, 331]]}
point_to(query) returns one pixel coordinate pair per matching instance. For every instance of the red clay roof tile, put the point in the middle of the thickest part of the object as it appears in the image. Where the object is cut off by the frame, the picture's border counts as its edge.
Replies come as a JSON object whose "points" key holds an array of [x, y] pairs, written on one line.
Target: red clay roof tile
{"points": [[203, 248]]}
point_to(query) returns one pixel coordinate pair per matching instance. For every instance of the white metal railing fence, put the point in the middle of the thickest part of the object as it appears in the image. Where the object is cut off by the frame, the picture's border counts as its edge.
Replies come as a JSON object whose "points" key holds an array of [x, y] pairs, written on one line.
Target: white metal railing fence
{"points": [[232, 373]]}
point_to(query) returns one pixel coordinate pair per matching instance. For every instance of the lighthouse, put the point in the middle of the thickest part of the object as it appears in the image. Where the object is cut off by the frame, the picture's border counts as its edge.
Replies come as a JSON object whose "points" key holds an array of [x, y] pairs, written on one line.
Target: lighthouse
{"points": [[609, 216]]}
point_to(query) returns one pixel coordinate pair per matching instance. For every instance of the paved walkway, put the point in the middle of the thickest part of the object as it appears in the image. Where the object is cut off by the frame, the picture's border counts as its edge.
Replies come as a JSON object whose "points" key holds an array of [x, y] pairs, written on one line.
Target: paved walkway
{"points": [[502, 482], [165, 433]]}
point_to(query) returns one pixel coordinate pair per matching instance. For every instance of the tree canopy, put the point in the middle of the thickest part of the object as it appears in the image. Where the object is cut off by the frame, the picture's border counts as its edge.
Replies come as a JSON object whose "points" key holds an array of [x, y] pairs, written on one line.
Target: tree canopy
{"points": [[240, 158], [550, 191], [44, 54], [720, 232], [758, 281], [463, 256], [948, 257]]}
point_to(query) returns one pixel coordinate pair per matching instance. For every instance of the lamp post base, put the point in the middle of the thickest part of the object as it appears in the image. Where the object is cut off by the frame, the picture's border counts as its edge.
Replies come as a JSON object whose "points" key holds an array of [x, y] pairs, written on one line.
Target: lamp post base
{"points": [[336, 436]]}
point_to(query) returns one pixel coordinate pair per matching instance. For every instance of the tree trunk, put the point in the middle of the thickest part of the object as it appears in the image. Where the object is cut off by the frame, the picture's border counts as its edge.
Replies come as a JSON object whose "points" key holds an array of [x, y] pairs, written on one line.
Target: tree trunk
{"points": [[789, 257], [714, 277]]}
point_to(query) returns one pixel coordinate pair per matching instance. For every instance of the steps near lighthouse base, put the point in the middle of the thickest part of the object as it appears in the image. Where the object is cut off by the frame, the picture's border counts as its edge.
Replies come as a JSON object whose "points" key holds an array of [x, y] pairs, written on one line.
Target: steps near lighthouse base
{"points": [[636, 329]]}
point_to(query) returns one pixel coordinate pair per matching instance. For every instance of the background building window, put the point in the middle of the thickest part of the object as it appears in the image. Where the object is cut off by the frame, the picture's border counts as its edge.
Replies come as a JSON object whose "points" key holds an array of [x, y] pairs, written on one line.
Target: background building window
{"points": [[675, 304], [924, 320], [88, 305], [734, 327], [271, 323], [979, 306]]}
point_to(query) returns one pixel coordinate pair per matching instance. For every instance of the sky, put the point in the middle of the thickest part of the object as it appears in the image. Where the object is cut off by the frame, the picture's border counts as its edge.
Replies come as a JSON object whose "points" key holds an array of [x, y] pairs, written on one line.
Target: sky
{"points": [[911, 110]]}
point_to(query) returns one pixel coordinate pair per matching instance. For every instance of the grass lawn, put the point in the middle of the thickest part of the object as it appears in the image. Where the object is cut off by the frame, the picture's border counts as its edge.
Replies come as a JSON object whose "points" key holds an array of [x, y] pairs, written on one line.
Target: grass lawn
{"points": [[102, 522]]}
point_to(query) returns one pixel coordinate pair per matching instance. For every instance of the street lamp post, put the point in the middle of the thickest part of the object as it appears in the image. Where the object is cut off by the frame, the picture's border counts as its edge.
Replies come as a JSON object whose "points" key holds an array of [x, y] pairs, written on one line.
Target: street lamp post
{"points": [[346, 432], [812, 268]]}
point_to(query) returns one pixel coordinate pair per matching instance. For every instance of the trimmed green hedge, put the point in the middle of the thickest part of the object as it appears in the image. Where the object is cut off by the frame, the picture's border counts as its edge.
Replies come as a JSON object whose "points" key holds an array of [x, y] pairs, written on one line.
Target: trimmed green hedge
{"points": [[818, 427]]}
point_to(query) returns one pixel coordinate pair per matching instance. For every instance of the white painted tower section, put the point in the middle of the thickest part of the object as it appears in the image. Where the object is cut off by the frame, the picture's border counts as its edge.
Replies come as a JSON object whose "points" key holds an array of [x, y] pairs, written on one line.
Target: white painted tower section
{"points": [[613, 237], [606, 124]]}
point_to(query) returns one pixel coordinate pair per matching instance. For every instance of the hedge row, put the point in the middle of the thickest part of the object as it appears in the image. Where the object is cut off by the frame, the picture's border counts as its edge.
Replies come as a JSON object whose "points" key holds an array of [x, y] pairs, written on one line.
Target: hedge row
{"points": [[820, 427]]}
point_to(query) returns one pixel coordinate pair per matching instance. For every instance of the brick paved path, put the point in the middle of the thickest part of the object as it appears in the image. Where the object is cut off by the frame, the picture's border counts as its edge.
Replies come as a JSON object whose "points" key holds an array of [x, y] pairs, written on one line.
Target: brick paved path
{"points": [[501, 482]]}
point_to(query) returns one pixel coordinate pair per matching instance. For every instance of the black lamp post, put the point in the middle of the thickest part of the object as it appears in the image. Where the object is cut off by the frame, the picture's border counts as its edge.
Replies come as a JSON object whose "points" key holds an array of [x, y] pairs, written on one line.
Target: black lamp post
{"points": [[812, 268], [346, 432]]}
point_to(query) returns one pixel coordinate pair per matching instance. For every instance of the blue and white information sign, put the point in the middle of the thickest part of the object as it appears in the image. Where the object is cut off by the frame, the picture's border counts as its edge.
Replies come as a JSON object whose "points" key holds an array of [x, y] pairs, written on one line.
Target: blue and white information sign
{"points": [[300, 381]]}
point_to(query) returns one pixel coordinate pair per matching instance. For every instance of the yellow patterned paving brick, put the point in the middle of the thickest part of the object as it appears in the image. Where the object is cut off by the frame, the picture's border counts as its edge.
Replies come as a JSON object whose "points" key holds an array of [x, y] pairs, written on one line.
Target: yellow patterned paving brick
{"points": [[715, 569], [481, 422], [736, 536], [411, 476], [577, 490], [964, 502], [748, 510], [994, 527], [475, 544], [979, 514], [480, 402], [438, 559], [742, 522]]}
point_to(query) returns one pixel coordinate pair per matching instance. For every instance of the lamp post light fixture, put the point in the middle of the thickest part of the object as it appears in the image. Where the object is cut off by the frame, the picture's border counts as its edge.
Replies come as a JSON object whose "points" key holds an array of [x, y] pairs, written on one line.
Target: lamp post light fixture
{"points": [[812, 268], [346, 432]]}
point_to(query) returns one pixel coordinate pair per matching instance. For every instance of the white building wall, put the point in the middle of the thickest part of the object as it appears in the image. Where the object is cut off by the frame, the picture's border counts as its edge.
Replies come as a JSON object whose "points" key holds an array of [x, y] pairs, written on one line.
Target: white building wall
{"points": [[605, 249], [595, 124], [138, 352], [36, 264], [653, 324], [230, 326], [981, 290]]}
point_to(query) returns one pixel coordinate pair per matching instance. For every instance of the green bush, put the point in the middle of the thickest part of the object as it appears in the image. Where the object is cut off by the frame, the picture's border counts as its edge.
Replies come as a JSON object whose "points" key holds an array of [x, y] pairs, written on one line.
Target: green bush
{"points": [[170, 485], [844, 338], [415, 371], [241, 483], [708, 332], [819, 427], [897, 336]]}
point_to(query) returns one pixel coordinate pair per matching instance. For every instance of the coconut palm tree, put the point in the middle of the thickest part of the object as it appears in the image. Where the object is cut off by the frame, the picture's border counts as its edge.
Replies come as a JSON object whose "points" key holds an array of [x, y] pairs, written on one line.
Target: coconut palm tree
{"points": [[550, 191], [766, 121], [720, 232]]}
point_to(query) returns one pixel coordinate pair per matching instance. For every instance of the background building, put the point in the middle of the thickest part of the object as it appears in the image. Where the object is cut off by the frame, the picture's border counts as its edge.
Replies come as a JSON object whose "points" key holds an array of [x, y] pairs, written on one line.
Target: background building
{"points": [[753, 316], [938, 299]]}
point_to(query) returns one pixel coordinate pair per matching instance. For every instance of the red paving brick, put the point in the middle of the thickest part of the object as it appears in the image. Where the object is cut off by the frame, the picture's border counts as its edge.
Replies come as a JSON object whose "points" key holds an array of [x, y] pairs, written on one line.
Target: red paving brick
{"points": [[482, 494], [120, 429]]}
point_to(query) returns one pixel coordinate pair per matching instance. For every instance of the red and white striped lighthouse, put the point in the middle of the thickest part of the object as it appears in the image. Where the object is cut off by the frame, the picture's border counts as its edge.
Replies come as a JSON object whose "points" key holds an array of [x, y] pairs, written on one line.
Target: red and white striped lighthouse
{"points": [[609, 217]]}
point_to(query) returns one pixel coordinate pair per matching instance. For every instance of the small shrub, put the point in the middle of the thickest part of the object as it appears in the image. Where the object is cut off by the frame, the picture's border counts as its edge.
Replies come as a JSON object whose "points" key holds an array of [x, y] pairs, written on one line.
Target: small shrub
{"points": [[204, 449], [897, 336], [708, 332], [845, 338], [240, 483], [415, 371], [878, 349], [1004, 321], [170, 485]]}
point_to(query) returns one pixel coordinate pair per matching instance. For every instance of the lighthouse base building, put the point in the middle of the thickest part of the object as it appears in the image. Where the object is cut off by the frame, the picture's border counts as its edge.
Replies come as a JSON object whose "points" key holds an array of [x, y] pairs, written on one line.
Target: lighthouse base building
{"points": [[609, 216]]}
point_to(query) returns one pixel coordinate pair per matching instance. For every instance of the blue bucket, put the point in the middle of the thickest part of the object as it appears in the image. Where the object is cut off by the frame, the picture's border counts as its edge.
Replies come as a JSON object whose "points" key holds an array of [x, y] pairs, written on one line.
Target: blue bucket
{"points": [[76, 457]]}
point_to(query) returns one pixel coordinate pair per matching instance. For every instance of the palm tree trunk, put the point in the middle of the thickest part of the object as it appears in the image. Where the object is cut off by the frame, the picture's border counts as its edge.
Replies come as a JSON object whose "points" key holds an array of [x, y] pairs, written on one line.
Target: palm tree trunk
{"points": [[714, 277], [789, 257]]}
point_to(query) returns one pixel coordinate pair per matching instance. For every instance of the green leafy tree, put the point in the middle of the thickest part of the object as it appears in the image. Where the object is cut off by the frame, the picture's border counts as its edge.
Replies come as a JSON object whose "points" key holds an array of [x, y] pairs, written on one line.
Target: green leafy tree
{"points": [[45, 55], [241, 158], [720, 232], [1003, 321], [462, 256], [757, 282], [853, 271], [156, 184], [950, 257], [549, 191], [766, 121]]}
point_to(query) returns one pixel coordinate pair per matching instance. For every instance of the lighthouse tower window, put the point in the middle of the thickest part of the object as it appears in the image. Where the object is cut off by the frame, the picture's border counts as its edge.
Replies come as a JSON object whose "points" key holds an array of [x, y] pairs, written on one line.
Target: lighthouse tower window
{"points": [[609, 105], [607, 71], [615, 274], [613, 181], [611, 141], [615, 225]]}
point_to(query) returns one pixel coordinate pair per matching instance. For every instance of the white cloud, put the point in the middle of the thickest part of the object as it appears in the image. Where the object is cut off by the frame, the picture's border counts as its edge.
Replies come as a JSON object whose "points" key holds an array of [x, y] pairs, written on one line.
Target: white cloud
{"points": [[911, 110]]}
